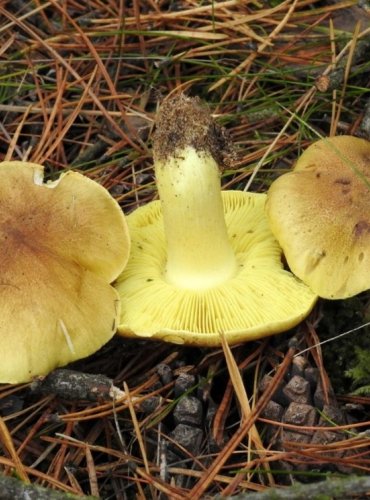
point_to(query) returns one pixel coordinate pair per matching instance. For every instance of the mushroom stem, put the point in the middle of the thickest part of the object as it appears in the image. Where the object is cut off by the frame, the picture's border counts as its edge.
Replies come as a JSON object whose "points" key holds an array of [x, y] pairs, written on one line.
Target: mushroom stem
{"points": [[188, 148], [199, 253]]}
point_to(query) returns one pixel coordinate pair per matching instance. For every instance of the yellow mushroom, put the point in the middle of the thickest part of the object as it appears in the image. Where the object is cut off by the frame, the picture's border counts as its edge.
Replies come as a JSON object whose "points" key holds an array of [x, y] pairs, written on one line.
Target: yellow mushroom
{"points": [[320, 214], [203, 262], [61, 245]]}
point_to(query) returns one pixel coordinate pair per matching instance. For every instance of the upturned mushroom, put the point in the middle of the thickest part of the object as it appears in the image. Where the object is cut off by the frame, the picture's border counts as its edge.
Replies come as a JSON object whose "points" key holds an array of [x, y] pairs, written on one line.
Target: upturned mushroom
{"points": [[61, 245], [320, 214], [203, 262]]}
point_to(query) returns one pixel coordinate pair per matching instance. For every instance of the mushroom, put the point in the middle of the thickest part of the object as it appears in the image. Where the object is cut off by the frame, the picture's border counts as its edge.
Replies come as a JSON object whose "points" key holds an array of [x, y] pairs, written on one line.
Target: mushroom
{"points": [[61, 245], [320, 214], [203, 262]]}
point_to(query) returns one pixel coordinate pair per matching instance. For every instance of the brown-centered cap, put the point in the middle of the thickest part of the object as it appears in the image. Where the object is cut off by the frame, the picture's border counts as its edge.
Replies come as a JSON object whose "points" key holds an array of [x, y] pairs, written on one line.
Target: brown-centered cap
{"points": [[61, 244], [320, 214]]}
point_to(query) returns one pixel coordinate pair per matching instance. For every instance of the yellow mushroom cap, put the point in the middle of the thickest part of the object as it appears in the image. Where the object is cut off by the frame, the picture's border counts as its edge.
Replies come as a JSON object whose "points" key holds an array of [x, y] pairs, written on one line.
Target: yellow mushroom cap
{"points": [[260, 299], [320, 214], [61, 244]]}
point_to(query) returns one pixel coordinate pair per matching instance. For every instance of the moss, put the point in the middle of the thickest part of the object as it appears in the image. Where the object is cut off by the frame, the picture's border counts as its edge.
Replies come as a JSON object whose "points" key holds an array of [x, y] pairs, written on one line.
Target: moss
{"points": [[360, 372], [341, 354]]}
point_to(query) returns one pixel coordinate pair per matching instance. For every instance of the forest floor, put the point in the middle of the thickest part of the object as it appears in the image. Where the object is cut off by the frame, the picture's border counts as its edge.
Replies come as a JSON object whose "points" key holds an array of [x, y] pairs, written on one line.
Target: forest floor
{"points": [[80, 83]]}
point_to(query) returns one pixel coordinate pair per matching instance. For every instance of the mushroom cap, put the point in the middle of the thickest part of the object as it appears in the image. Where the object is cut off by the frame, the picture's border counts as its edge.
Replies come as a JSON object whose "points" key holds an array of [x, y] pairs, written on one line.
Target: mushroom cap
{"points": [[261, 299], [320, 214], [61, 244]]}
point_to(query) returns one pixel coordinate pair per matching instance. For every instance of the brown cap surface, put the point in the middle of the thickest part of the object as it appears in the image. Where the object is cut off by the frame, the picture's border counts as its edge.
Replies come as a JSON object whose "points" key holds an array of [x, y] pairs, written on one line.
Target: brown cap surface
{"points": [[320, 214], [61, 244]]}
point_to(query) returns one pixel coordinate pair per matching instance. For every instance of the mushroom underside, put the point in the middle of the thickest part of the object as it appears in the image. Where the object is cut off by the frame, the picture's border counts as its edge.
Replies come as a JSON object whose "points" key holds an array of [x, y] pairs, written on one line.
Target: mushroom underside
{"points": [[262, 297]]}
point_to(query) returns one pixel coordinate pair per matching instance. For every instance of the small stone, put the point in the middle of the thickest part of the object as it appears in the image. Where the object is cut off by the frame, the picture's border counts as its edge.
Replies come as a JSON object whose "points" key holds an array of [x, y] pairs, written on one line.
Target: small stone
{"points": [[188, 411], [117, 189], [311, 374], [273, 411], [10, 404], [183, 383], [298, 390], [212, 408], [300, 414], [299, 364], [278, 396], [324, 438], [187, 437], [320, 399], [295, 436], [354, 407], [150, 404], [165, 373], [293, 343], [332, 414], [328, 437]]}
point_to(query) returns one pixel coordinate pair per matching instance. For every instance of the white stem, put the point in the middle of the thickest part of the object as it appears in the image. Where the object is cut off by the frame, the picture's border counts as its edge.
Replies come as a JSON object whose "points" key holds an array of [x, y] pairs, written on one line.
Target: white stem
{"points": [[199, 251]]}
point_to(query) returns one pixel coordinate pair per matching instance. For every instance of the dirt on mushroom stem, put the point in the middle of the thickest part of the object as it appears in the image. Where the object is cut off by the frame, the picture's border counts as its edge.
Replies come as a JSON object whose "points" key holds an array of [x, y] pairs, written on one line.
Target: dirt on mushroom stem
{"points": [[183, 121]]}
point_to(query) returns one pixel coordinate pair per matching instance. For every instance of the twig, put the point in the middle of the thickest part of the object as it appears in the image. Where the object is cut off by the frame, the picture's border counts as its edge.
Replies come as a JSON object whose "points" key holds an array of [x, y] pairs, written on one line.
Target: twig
{"points": [[74, 385]]}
